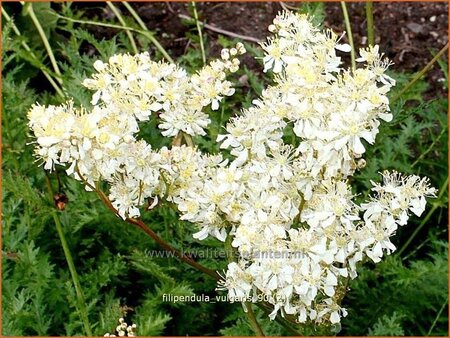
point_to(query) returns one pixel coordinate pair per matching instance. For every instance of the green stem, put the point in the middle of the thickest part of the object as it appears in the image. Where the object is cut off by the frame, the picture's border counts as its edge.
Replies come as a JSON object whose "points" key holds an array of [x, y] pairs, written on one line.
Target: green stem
{"points": [[437, 317], [147, 33], [443, 189], [28, 49], [252, 319], [82, 310], [430, 147], [158, 46], [145, 29], [370, 27], [420, 74], [123, 23], [79, 292], [421, 245], [199, 29], [48, 48], [348, 28], [221, 31], [95, 23], [135, 15]]}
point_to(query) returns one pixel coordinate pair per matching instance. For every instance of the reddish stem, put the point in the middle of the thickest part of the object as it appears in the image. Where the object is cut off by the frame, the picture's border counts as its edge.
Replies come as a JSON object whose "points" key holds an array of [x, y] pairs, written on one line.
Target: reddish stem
{"points": [[171, 249], [141, 225]]}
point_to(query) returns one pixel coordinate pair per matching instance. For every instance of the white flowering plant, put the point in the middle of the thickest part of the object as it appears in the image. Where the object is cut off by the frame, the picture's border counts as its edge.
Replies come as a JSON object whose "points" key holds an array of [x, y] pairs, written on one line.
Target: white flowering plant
{"points": [[284, 211]]}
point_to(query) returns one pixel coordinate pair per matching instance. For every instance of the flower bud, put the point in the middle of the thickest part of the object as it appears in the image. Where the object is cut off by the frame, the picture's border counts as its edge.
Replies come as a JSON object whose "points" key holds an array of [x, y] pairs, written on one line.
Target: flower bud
{"points": [[225, 54]]}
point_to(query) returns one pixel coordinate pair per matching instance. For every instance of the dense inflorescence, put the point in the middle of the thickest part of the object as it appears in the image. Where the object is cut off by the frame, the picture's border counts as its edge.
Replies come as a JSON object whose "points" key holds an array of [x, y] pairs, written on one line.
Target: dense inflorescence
{"points": [[288, 211]]}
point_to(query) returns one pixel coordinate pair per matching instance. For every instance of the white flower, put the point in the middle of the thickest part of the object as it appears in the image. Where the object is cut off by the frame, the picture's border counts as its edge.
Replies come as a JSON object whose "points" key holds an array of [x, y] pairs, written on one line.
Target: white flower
{"points": [[289, 210]]}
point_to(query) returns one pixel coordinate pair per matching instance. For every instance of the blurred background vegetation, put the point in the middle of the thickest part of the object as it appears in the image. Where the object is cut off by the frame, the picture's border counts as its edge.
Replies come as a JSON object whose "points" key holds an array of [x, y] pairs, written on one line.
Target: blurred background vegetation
{"points": [[49, 48]]}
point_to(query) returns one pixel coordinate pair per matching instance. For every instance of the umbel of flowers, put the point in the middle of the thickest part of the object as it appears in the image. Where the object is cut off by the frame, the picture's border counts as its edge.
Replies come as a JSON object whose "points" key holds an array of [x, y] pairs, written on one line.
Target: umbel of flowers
{"points": [[288, 211]]}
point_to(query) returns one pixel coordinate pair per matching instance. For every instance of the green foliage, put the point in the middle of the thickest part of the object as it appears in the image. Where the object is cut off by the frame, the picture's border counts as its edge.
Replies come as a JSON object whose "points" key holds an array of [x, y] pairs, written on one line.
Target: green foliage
{"points": [[26, 289], [388, 326], [241, 327], [414, 142], [44, 14], [400, 298], [403, 294], [119, 272], [316, 10]]}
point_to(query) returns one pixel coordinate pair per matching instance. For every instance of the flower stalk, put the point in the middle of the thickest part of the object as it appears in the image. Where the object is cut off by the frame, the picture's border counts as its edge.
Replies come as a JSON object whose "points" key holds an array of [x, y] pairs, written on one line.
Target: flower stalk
{"points": [[252, 319], [348, 28], [78, 290], [166, 246], [29, 9], [148, 34], [199, 30], [370, 25], [81, 302], [123, 23], [421, 73]]}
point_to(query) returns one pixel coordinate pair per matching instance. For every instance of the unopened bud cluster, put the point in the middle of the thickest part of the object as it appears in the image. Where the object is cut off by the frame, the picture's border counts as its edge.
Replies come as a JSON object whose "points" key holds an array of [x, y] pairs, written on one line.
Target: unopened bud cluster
{"points": [[123, 330], [272, 196]]}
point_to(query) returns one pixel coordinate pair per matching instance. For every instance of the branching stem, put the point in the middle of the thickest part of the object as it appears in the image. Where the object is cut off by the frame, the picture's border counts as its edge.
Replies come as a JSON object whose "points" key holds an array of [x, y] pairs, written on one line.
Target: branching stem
{"points": [[220, 30], [141, 225], [28, 49], [146, 33], [144, 27], [124, 24]]}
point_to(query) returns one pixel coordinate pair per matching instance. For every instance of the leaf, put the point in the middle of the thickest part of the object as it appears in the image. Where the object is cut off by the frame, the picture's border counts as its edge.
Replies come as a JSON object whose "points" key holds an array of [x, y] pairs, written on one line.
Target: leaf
{"points": [[44, 14], [316, 10], [152, 324], [108, 316], [388, 326], [146, 263]]}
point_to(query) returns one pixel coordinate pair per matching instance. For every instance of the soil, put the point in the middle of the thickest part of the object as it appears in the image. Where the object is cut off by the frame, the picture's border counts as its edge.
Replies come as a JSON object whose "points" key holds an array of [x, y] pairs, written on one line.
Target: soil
{"points": [[407, 32]]}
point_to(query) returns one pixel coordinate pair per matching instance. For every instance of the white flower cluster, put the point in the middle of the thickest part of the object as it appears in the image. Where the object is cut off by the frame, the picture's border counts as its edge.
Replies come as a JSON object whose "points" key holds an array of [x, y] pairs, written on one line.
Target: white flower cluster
{"points": [[123, 330], [389, 208], [101, 144], [138, 86], [286, 209], [289, 209]]}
